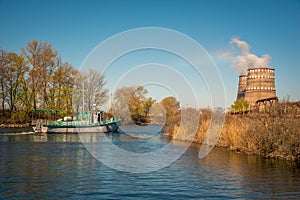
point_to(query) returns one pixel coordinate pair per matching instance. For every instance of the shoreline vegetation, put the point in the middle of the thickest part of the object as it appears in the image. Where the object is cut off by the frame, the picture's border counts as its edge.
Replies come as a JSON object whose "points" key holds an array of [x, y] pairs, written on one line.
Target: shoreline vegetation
{"points": [[272, 134]]}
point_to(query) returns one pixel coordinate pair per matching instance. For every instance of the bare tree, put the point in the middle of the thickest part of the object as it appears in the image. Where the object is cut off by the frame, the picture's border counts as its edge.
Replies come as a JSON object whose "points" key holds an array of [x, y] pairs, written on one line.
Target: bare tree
{"points": [[95, 92], [121, 101], [3, 77], [89, 90]]}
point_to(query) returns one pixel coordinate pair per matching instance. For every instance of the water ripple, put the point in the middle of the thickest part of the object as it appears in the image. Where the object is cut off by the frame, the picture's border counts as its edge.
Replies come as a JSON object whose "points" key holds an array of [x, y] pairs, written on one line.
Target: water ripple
{"points": [[59, 167]]}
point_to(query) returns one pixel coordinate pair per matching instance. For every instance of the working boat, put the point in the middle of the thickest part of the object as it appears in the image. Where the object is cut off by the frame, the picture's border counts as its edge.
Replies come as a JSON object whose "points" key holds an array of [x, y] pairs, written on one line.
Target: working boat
{"points": [[85, 123], [79, 127]]}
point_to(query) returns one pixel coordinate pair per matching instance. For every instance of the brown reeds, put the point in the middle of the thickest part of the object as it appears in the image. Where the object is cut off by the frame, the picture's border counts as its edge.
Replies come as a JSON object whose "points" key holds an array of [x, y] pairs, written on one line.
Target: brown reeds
{"points": [[275, 133]]}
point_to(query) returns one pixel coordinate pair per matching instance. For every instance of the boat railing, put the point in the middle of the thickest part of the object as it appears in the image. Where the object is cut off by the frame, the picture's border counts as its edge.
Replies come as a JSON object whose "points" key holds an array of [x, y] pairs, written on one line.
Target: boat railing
{"points": [[82, 123]]}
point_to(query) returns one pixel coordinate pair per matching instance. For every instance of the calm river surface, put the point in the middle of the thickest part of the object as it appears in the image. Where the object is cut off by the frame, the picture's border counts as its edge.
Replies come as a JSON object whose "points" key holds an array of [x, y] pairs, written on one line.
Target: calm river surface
{"points": [[60, 167]]}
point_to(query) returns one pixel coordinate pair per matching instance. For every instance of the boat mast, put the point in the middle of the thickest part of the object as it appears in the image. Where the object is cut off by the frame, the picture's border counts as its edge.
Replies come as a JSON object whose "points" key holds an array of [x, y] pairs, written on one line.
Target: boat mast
{"points": [[110, 103], [83, 96]]}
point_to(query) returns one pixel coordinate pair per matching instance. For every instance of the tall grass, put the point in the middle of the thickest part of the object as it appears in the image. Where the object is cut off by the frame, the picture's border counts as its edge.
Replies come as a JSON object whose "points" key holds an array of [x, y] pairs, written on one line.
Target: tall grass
{"points": [[275, 133]]}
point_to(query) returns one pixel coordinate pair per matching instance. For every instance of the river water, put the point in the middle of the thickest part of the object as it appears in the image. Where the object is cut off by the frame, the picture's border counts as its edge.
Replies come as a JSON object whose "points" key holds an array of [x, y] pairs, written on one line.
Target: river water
{"points": [[59, 166]]}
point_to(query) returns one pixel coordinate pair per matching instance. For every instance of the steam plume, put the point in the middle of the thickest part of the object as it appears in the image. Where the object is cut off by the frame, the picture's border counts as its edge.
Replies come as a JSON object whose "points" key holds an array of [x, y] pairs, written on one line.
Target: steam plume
{"points": [[247, 60]]}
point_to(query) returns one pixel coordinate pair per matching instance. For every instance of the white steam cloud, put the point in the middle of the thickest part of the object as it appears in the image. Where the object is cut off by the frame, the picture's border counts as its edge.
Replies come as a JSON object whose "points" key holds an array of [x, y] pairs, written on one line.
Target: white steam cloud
{"points": [[247, 60]]}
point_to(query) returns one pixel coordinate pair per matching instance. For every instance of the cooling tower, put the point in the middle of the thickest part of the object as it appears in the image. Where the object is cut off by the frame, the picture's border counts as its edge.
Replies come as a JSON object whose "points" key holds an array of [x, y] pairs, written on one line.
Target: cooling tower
{"points": [[260, 85], [242, 86]]}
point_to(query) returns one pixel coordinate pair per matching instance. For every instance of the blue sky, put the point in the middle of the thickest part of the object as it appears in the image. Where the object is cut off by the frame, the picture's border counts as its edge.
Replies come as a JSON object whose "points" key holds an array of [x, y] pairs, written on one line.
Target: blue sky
{"points": [[75, 28]]}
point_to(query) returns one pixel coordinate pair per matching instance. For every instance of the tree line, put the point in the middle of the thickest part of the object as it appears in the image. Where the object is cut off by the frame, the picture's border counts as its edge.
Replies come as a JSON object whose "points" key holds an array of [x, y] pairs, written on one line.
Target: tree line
{"points": [[37, 77]]}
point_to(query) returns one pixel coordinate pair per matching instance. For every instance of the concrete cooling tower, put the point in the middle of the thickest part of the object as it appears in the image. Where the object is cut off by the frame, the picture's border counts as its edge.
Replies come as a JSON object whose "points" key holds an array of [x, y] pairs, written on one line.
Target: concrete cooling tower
{"points": [[242, 86], [257, 86]]}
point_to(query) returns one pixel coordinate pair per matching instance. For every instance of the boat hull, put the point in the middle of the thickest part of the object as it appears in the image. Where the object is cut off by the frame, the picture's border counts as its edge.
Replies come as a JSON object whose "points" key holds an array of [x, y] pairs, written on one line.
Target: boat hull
{"points": [[113, 127]]}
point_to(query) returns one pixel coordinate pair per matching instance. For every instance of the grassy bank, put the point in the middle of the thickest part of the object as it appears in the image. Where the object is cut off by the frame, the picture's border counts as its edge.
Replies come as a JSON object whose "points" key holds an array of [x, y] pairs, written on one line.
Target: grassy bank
{"points": [[275, 134], [268, 136]]}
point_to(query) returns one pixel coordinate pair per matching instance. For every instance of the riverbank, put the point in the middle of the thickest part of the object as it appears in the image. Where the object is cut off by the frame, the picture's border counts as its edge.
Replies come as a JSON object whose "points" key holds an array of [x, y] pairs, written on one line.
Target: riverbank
{"points": [[273, 136]]}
